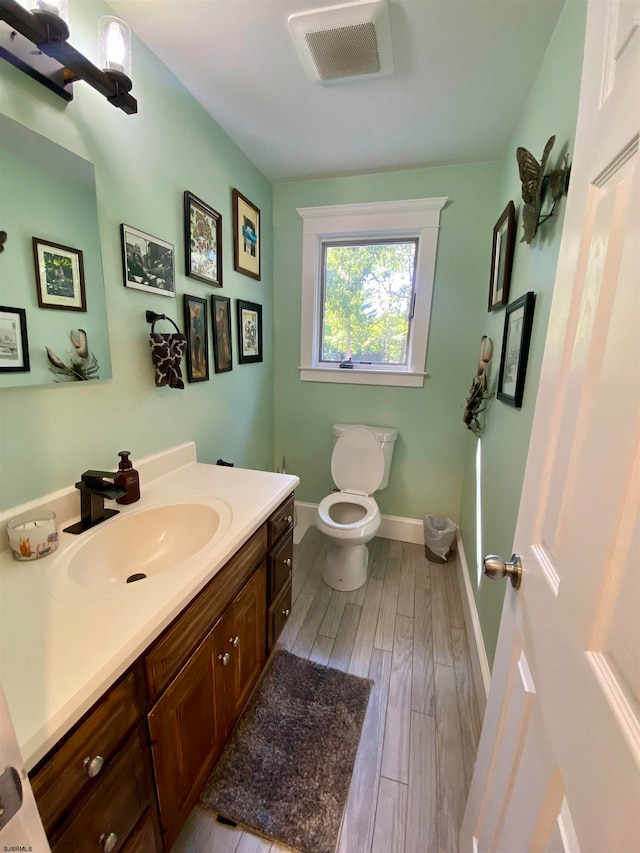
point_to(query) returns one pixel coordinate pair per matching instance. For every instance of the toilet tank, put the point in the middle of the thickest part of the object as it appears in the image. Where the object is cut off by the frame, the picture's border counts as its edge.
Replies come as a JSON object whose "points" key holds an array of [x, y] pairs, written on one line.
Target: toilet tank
{"points": [[387, 438]]}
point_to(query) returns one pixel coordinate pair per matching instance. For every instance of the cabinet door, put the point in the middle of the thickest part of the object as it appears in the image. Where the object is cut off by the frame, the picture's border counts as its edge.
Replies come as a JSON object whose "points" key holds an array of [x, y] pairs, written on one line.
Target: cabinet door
{"points": [[245, 622], [188, 728]]}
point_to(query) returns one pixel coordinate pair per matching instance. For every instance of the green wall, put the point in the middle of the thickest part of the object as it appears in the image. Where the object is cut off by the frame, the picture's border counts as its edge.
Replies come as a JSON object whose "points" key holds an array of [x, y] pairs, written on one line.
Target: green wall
{"points": [[143, 164], [428, 462], [551, 108]]}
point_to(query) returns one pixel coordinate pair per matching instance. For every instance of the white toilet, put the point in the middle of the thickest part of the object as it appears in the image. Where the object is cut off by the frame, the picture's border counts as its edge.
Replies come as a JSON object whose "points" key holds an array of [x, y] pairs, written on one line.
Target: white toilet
{"points": [[350, 518]]}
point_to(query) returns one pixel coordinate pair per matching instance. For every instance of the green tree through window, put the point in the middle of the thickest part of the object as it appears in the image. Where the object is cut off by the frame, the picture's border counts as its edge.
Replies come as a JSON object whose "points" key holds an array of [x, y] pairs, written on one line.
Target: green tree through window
{"points": [[367, 297]]}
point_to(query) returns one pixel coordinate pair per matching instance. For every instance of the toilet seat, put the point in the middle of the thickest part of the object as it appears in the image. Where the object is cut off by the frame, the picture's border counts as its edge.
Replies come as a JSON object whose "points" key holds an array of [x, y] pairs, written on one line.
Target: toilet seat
{"points": [[366, 502]]}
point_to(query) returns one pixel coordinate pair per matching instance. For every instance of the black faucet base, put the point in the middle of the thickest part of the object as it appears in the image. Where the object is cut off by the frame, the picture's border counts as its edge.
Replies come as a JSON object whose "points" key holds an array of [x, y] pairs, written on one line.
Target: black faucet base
{"points": [[87, 524]]}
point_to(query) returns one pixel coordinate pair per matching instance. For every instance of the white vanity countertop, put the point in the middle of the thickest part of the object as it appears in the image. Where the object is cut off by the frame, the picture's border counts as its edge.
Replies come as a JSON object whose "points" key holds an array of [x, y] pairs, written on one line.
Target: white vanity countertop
{"points": [[59, 653]]}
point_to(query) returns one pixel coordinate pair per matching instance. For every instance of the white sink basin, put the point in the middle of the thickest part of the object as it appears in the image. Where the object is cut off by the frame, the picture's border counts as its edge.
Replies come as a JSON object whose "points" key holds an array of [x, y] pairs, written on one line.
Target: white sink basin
{"points": [[137, 546]]}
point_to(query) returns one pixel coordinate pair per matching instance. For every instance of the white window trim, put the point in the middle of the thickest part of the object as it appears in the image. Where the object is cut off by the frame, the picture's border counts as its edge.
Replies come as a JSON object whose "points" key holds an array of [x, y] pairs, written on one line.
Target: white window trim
{"points": [[419, 218]]}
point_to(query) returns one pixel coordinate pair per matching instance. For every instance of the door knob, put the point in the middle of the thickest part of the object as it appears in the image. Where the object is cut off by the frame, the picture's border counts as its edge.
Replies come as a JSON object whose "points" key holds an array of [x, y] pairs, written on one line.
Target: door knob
{"points": [[235, 641], [495, 567], [224, 658]]}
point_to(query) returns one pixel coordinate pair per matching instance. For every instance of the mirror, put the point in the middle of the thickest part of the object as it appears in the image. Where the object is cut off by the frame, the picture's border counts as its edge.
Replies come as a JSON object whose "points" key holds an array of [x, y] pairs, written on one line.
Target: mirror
{"points": [[49, 193]]}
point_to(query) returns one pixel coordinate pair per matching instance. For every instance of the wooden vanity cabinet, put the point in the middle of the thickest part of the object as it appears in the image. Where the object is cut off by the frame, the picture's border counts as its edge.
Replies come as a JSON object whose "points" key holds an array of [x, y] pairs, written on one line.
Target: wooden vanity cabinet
{"points": [[97, 782], [168, 717], [191, 721], [280, 570]]}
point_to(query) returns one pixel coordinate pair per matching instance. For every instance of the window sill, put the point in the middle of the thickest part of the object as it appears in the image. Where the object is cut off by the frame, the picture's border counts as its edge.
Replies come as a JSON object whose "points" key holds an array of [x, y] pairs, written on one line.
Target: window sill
{"points": [[362, 376]]}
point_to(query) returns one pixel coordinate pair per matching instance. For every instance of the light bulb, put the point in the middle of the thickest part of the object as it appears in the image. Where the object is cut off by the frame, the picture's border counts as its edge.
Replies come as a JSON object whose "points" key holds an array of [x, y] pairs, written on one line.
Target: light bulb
{"points": [[114, 45]]}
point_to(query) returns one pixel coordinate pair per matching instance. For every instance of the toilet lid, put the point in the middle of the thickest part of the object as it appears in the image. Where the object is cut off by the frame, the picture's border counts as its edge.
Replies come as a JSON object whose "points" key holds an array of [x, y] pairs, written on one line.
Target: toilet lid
{"points": [[357, 463]]}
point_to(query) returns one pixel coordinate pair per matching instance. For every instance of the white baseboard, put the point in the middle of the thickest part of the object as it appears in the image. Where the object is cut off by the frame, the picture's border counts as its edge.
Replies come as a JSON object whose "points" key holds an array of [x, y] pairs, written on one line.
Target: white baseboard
{"points": [[391, 526], [479, 661]]}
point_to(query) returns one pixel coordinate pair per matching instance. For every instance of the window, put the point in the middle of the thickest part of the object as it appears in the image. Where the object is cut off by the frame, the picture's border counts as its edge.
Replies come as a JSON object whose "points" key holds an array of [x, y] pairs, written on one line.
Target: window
{"points": [[366, 291]]}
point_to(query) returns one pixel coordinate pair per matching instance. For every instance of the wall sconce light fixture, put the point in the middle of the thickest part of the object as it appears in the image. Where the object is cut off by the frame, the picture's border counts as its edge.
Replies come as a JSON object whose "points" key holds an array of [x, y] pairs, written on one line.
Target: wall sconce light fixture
{"points": [[55, 63]]}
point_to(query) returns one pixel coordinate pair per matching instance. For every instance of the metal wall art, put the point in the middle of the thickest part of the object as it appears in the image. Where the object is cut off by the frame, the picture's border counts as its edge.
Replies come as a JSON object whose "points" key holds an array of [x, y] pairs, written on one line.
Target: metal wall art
{"points": [[80, 366], [478, 393], [535, 184]]}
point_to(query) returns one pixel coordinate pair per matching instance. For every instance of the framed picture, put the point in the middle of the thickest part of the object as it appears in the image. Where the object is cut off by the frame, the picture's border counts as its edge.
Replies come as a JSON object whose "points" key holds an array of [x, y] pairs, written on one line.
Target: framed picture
{"points": [[203, 241], [59, 276], [222, 348], [195, 323], [246, 236], [249, 317], [14, 346], [515, 349], [504, 236], [148, 262]]}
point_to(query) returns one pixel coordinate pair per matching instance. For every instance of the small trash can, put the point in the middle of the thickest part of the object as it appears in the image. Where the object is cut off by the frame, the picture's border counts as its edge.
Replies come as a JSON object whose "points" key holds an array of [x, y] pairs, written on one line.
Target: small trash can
{"points": [[439, 537]]}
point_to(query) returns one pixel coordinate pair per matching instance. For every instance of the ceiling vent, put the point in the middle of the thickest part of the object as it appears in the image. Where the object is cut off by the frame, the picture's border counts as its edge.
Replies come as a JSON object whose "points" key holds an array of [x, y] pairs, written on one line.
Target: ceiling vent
{"points": [[344, 42]]}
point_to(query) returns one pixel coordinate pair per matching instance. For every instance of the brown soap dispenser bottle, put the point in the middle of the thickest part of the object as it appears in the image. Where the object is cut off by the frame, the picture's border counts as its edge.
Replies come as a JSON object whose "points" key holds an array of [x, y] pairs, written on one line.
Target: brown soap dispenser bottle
{"points": [[128, 478]]}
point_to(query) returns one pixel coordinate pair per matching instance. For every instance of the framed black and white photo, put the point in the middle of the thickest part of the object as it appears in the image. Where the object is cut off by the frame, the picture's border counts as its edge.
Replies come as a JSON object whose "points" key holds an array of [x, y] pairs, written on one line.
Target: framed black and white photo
{"points": [[195, 322], [504, 236], [222, 348], [246, 236], [203, 241], [14, 345], [249, 319], [515, 350], [59, 276], [148, 262]]}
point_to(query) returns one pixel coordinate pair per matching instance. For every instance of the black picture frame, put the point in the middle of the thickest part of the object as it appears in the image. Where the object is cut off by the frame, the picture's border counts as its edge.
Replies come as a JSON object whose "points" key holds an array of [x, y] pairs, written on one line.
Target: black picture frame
{"points": [[222, 342], [504, 240], [197, 333], [148, 263], [14, 343], [247, 242], [202, 240], [249, 326], [516, 338], [59, 276]]}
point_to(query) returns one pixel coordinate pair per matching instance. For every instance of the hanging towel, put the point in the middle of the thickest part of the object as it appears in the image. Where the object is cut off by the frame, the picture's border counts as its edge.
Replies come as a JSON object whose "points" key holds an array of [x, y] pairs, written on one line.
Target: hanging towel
{"points": [[167, 350]]}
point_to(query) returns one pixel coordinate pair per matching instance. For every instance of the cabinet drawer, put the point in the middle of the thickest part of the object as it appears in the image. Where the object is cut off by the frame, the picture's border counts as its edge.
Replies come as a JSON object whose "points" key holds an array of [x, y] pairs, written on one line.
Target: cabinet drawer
{"points": [[280, 563], [114, 807], [281, 519], [143, 838], [278, 615], [66, 773], [171, 651]]}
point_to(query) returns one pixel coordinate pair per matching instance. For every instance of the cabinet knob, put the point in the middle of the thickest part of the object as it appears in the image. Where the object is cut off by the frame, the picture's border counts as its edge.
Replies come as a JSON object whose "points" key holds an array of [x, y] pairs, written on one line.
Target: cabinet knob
{"points": [[225, 658], [93, 765], [286, 612], [108, 841], [287, 562], [235, 641], [289, 519]]}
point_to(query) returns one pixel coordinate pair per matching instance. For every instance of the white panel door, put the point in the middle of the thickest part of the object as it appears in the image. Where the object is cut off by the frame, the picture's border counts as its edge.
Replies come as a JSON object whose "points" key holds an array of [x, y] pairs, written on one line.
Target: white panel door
{"points": [[20, 824], [558, 765]]}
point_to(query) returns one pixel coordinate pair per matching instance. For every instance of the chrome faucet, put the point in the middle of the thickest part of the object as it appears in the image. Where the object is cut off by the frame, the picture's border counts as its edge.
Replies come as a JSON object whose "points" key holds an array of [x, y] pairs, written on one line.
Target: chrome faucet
{"points": [[93, 491]]}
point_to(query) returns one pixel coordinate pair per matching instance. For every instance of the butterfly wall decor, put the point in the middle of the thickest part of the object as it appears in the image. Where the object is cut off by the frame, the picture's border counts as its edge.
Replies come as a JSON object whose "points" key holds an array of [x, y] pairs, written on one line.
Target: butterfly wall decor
{"points": [[534, 185]]}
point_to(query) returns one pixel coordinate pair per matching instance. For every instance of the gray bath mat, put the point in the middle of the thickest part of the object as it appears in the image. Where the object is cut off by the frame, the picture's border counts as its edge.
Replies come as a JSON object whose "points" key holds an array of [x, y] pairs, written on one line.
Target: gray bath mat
{"points": [[286, 770]]}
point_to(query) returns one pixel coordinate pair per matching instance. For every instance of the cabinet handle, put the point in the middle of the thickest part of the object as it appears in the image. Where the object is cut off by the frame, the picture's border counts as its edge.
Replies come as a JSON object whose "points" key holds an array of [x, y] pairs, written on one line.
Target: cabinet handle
{"points": [[286, 612], [289, 519], [225, 658], [287, 562], [93, 765], [108, 841], [235, 641]]}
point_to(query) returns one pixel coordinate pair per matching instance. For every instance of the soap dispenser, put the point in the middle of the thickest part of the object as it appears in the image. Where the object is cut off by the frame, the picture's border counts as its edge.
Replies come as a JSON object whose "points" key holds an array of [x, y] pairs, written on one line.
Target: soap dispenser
{"points": [[128, 478]]}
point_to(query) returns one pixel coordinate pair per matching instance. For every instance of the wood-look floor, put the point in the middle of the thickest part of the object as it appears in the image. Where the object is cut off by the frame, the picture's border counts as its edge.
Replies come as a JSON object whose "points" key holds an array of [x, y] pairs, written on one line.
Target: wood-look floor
{"points": [[405, 630]]}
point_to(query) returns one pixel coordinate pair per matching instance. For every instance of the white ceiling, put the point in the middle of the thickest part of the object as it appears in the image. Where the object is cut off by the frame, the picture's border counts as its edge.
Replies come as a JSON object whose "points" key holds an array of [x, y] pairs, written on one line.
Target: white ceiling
{"points": [[463, 69]]}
